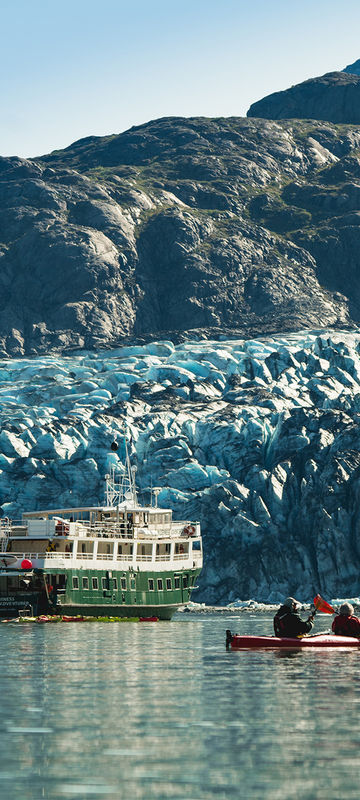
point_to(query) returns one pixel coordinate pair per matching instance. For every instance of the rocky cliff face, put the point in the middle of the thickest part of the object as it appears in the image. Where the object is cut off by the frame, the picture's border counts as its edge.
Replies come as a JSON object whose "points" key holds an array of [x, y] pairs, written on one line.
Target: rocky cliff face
{"points": [[334, 97], [353, 69], [181, 227]]}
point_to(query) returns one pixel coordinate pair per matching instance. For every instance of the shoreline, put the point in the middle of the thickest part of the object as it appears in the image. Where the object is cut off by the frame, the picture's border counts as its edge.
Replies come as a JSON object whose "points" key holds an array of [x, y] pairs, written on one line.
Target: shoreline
{"points": [[251, 606]]}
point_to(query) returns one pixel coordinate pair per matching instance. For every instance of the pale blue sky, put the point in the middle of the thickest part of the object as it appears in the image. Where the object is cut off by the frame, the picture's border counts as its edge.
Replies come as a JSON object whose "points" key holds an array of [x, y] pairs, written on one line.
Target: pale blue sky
{"points": [[75, 68]]}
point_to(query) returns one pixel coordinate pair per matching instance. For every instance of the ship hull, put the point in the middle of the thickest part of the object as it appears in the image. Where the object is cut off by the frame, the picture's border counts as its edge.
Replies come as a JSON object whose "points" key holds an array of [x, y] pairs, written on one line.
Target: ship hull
{"points": [[24, 605], [163, 612], [104, 593]]}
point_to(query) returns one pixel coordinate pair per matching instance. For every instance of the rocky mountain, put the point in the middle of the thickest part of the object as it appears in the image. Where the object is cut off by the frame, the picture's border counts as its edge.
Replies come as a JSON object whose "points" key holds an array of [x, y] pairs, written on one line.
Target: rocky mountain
{"points": [[353, 69], [181, 228], [334, 97]]}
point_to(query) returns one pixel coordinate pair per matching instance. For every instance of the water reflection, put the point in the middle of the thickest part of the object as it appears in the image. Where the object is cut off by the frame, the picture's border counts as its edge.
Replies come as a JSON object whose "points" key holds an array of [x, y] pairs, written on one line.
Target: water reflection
{"points": [[288, 653], [164, 711]]}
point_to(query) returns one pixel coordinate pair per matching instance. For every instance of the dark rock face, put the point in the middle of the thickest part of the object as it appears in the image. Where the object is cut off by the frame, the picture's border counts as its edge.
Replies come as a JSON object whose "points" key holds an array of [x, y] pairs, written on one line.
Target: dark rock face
{"points": [[353, 69], [334, 97], [180, 228]]}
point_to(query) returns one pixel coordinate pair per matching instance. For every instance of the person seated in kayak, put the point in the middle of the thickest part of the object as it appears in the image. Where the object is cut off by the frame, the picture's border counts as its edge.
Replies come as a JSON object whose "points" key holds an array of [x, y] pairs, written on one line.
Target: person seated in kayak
{"points": [[346, 624], [287, 620]]}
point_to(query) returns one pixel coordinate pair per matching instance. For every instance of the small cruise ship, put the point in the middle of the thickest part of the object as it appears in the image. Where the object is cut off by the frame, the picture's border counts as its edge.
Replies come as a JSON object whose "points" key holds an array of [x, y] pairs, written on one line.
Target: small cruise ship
{"points": [[121, 559]]}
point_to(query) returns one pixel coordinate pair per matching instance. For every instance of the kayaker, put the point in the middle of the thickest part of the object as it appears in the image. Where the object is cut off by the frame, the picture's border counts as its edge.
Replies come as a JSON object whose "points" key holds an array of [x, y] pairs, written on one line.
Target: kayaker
{"points": [[287, 620], [346, 624]]}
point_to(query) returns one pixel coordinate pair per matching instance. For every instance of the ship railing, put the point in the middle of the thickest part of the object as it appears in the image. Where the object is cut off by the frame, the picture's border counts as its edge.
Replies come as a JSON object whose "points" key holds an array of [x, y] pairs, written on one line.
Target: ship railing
{"points": [[105, 529], [6, 523], [88, 556], [178, 527], [143, 558], [42, 555], [129, 530], [164, 557], [57, 554], [104, 556], [5, 531]]}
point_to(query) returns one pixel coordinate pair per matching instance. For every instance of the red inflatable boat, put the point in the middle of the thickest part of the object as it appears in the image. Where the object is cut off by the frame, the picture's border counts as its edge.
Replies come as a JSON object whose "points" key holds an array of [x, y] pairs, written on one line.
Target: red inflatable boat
{"points": [[237, 642]]}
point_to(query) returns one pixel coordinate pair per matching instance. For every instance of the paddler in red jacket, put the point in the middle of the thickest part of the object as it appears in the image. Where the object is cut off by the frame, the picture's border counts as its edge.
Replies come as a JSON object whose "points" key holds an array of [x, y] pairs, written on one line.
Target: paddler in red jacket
{"points": [[287, 620], [346, 624]]}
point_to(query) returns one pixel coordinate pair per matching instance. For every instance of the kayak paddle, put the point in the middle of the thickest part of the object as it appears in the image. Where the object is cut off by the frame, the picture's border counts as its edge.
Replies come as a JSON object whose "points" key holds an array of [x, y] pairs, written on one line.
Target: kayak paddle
{"points": [[323, 606]]}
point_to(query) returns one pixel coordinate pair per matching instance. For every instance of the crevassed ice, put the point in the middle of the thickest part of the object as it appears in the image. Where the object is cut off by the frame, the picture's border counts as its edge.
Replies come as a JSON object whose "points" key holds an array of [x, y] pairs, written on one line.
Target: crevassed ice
{"points": [[242, 435]]}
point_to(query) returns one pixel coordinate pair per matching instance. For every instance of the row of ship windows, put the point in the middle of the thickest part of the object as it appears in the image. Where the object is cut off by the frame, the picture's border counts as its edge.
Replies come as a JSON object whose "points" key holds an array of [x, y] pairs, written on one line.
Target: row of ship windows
{"points": [[151, 583]]}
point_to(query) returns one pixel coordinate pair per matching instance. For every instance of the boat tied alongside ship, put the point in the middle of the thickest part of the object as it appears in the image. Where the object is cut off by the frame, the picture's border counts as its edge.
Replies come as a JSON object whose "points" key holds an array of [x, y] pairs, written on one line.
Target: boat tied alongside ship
{"points": [[121, 559]]}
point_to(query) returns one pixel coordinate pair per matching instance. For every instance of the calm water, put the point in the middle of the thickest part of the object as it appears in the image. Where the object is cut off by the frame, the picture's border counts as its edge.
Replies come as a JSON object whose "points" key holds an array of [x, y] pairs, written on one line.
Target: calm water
{"points": [[163, 711]]}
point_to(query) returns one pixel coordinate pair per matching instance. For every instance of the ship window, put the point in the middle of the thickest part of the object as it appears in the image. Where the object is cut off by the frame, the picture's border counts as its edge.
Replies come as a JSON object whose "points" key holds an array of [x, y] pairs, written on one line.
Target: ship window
{"points": [[95, 583], [168, 583], [104, 583], [115, 583], [85, 583], [123, 583], [160, 584], [185, 581], [133, 585], [177, 582], [196, 545], [181, 548], [75, 582], [13, 584], [151, 585]]}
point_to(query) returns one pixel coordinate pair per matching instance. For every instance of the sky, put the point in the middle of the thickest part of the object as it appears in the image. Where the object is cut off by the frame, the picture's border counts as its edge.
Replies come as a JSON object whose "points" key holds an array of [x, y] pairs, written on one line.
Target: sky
{"points": [[75, 68]]}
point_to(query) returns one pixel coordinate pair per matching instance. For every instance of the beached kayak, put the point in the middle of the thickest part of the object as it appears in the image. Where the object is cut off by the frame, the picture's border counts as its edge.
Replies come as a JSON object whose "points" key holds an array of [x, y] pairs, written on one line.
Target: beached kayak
{"points": [[237, 642]]}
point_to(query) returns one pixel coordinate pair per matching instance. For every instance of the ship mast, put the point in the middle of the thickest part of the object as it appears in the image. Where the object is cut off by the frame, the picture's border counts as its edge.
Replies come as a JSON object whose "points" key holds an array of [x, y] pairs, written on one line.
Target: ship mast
{"points": [[121, 488]]}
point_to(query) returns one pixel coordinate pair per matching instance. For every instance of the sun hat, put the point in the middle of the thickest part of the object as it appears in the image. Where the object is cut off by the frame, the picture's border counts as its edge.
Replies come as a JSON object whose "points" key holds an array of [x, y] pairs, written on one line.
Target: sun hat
{"points": [[290, 602]]}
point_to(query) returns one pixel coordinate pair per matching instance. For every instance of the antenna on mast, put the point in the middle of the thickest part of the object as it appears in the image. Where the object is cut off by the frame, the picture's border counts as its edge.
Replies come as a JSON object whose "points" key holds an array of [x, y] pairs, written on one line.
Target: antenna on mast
{"points": [[125, 488]]}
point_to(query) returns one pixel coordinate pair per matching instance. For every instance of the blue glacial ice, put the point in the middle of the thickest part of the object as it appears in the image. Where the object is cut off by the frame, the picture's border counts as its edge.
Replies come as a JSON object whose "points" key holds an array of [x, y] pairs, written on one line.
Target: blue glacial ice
{"points": [[259, 440]]}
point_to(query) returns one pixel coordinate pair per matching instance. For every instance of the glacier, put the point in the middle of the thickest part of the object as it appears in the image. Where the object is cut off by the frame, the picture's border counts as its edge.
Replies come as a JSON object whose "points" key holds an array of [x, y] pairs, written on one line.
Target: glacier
{"points": [[257, 439]]}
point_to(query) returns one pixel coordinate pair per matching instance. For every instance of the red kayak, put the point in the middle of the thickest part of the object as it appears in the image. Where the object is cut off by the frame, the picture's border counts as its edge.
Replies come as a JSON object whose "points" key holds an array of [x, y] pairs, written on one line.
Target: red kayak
{"points": [[237, 642]]}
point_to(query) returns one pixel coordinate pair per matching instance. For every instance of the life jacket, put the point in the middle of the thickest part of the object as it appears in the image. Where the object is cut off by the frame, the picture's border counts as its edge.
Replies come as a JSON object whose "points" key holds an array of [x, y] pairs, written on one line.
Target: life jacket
{"points": [[288, 624], [279, 621], [346, 626]]}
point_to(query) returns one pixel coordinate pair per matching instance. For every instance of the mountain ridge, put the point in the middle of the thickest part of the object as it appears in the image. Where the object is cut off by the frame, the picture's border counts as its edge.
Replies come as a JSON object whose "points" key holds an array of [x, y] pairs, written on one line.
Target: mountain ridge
{"points": [[179, 226], [333, 97]]}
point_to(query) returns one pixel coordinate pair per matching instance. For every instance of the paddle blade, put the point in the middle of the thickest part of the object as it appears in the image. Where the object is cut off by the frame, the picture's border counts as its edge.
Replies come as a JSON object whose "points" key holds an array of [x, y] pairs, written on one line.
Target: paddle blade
{"points": [[323, 606]]}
